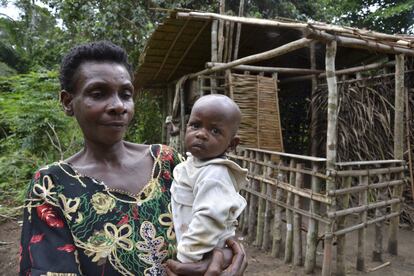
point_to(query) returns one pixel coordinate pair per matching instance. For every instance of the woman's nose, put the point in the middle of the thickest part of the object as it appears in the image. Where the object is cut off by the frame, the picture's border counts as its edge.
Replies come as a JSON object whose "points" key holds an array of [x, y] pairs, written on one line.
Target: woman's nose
{"points": [[116, 105]]}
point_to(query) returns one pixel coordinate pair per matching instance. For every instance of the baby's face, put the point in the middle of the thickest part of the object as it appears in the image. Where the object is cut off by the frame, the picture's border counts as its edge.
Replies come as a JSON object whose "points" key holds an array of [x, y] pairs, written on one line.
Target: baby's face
{"points": [[210, 131]]}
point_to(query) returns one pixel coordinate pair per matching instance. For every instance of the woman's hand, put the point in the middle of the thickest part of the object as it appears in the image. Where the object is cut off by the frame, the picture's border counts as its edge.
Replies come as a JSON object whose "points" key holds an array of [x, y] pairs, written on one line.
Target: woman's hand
{"points": [[229, 261]]}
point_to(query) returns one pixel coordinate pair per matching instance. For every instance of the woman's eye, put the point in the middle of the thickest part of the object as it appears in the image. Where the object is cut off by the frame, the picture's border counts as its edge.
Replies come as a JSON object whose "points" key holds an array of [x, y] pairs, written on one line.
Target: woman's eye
{"points": [[127, 94], [96, 94]]}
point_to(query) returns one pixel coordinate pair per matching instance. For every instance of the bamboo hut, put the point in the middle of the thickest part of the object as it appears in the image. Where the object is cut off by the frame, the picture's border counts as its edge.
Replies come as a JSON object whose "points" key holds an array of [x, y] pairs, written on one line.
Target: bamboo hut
{"points": [[326, 128]]}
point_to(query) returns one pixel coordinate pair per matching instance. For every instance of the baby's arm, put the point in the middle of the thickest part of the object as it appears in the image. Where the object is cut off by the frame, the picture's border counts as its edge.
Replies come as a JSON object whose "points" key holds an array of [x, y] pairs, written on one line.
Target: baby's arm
{"points": [[214, 200]]}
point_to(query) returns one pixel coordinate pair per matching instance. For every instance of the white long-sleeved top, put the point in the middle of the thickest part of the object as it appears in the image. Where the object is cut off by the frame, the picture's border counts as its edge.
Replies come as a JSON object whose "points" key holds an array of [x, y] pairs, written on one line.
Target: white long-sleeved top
{"points": [[205, 205]]}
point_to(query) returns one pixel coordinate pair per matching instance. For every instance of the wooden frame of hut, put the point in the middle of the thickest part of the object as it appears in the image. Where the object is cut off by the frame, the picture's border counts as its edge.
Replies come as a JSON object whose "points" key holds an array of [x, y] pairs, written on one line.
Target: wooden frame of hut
{"points": [[316, 198]]}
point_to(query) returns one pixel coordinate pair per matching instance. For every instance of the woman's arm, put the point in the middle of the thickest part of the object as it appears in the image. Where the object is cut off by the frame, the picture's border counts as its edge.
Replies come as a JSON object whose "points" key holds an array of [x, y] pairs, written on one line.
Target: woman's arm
{"points": [[46, 241], [229, 261]]}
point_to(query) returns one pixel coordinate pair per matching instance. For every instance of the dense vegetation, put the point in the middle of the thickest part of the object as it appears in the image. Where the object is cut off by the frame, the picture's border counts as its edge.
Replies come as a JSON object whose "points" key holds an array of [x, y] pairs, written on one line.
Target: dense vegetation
{"points": [[34, 130]]}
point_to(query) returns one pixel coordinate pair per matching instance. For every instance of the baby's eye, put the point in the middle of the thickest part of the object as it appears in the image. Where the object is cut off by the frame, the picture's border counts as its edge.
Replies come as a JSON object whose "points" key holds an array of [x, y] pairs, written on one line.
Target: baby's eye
{"points": [[193, 126], [215, 131]]}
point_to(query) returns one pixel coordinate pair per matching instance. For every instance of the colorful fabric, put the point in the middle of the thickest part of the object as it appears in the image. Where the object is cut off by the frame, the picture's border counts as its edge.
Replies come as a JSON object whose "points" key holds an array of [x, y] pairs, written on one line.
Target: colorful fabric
{"points": [[76, 225]]}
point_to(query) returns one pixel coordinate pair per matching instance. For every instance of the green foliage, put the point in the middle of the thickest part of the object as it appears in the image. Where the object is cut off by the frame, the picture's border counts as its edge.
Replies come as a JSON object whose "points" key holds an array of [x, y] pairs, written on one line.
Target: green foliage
{"points": [[33, 130], [147, 122], [387, 16]]}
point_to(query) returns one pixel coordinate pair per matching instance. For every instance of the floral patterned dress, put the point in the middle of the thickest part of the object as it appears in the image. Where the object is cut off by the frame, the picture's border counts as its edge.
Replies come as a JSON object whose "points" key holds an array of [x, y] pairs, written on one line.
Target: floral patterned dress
{"points": [[75, 225]]}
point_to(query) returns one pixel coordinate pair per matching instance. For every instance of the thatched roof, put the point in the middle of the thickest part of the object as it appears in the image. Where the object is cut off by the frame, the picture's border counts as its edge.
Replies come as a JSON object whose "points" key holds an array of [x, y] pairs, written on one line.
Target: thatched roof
{"points": [[182, 45]]}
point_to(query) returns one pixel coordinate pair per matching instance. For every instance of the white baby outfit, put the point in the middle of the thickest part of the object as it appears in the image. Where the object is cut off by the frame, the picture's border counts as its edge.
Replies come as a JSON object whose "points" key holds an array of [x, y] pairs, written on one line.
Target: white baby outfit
{"points": [[205, 205]]}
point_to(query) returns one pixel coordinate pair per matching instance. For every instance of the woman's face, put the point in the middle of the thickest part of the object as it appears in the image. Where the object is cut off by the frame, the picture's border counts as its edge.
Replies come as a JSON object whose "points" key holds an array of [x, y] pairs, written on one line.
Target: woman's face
{"points": [[102, 101]]}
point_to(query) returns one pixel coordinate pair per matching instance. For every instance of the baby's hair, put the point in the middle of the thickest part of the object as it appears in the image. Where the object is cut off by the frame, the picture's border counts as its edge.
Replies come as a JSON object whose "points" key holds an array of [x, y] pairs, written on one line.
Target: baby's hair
{"points": [[99, 51], [230, 105]]}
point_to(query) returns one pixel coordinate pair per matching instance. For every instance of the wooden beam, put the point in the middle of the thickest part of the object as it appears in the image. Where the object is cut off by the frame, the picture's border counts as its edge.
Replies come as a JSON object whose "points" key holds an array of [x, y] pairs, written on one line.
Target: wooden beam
{"points": [[265, 69], [352, 42], [351, 70], [245, 20], [286, 48], [187, 50]]}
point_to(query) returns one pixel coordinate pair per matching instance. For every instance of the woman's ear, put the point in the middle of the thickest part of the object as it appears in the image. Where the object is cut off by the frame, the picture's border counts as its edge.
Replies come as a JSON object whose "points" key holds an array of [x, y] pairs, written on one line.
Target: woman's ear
{"points": [[233, 143], [66, 99]]}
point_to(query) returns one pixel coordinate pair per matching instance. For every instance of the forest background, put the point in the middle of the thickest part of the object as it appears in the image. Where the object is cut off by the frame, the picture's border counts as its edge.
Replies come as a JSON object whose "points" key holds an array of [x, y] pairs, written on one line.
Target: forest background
{"points": [[33, 129]]}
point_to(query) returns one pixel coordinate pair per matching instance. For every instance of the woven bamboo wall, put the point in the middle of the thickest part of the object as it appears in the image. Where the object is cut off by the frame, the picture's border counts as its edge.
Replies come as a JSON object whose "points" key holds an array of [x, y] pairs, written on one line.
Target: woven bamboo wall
{"points": [[257, 98]]}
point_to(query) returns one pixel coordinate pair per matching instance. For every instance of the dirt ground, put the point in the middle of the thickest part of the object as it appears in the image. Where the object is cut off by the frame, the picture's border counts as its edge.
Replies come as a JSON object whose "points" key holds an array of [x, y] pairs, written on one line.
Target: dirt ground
{"points": [[260, 263]]}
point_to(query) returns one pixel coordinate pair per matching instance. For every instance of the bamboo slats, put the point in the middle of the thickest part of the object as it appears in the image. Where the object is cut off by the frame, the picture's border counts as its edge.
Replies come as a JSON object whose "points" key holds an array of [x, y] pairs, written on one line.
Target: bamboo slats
{"points": [[257, 99]]}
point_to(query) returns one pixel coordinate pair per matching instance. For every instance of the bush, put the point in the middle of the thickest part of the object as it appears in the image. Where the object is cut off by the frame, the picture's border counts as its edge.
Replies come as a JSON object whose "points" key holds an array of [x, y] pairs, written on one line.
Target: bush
{"points": [[34, 131]]}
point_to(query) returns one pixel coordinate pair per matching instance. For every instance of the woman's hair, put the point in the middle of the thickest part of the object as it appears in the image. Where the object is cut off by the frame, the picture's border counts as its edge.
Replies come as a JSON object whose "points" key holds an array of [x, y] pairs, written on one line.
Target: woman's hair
{"points": [[100, 51]]}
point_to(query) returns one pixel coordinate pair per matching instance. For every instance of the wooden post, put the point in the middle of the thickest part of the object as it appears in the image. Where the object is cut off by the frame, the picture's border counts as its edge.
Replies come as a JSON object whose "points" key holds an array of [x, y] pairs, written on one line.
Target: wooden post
{"points": [[340, 247], [362, 233], [236, 44], [289, 216], [261, 202], [313, 227], [221, 32], [331, 141], [214, 51], [398, 148], [214, 25], [267, 172], [314, 113], [248, 197], [379, 212], [297, 221], [182, 113], [277, 223], [230, 84], [253, 201]]}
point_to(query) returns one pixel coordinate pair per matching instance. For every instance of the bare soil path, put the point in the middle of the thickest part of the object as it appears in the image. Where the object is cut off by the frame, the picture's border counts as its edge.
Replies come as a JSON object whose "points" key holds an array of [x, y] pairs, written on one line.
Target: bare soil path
{"points": [[260, 263]]}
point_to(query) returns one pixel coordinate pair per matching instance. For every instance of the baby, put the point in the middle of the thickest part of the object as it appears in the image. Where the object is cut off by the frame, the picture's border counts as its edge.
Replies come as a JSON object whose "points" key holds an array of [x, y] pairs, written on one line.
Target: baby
{"points": [[205, 200]]}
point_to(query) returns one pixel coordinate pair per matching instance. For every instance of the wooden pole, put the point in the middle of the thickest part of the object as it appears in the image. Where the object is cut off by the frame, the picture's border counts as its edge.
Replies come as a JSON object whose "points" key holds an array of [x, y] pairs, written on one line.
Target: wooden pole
{"points": [[340, 248], [289, 216], [237, 42], [267, 172], [261, 202], [248, 197], [410, 159], [314, 113], [182, 113], [284, 49], [331, 141], [214, 25], [343, 71], [377, 252], [398, 148], [352, 42], [277, 224], [297, 221], [266, 69], [313, 227], [362, 232], [253, 201]]}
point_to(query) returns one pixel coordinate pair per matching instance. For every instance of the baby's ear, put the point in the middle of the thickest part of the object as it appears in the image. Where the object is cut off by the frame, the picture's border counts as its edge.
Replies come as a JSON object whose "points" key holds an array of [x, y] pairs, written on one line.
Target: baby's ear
{"points": [[233, 143]]}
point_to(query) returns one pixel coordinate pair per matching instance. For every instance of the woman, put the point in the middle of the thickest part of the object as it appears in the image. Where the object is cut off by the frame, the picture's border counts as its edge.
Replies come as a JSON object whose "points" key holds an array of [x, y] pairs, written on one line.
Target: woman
{"points": [[106, 210]]}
